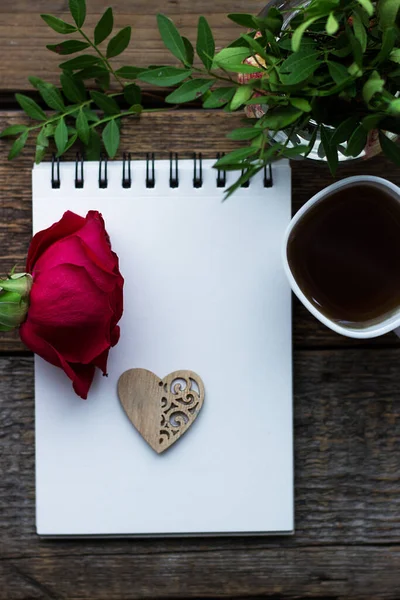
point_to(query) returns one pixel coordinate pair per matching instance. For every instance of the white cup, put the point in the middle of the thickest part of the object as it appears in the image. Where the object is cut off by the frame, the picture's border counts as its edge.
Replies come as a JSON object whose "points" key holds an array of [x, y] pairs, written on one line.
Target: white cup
{"points": [[379, 327]]}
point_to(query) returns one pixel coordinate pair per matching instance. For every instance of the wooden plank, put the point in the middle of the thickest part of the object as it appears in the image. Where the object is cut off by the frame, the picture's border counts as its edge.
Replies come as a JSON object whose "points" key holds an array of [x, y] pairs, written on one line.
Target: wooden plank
{"points": [[347, 464], [23, 34], [350, 572], [141, 7], [182, 131]]}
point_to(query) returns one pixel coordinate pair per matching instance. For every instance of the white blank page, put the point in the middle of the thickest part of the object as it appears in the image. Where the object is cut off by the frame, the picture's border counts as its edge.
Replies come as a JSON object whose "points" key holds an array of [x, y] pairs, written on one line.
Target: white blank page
{"points": [[204, 290]]}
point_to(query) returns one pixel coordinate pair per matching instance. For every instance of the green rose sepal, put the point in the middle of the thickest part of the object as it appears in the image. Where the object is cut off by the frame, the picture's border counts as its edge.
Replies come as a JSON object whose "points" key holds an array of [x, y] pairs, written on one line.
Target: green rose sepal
{"points": [[14, 300]]}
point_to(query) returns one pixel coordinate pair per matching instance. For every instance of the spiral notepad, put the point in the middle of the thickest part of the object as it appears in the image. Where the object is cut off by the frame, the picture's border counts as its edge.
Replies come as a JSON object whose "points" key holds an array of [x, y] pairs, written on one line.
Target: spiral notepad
{"points": [[205, 291]]}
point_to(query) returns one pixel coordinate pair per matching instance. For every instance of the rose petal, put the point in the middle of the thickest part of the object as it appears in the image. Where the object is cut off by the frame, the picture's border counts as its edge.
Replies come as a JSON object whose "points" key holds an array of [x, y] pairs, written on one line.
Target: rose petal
{"points": [[80, 375], [94, 235], [74, 251], [68, 224], [73, 315]]}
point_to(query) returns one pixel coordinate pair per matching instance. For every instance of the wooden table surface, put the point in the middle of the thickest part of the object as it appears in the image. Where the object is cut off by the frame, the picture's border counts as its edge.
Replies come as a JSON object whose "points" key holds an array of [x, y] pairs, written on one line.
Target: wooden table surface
{"points": [[346, 403]]}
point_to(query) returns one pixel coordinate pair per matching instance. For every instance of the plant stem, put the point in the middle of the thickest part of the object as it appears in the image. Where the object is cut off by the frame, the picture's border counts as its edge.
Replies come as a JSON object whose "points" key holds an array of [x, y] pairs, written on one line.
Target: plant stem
{"points": [[103, 58], [215, 75], [128, 113], [60, 116]]}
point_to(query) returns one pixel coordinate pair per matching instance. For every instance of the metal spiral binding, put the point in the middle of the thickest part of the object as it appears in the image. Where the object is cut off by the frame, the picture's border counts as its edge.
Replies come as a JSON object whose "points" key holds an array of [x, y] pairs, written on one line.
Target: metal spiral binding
{"points": [[173, 170], [79, 179], [268, 181], [55, 173], [246, 184], [197, 170], [126, 171], [103, 176], [221, 175], [150, 172]]}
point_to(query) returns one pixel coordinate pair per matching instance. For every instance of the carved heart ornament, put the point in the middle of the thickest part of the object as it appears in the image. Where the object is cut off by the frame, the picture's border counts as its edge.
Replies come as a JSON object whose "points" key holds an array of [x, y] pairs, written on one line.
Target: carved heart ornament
{"points": [[161, 409]]}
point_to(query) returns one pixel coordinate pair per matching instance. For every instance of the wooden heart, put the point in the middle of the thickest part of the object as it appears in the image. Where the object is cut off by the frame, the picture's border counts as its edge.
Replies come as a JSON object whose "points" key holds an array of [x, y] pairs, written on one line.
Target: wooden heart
{"points": [[161, 409]]}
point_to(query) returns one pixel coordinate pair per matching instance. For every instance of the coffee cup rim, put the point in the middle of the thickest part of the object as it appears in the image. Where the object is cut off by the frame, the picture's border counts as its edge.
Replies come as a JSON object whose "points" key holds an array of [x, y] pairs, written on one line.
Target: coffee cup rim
{"points": [[390, 322]]}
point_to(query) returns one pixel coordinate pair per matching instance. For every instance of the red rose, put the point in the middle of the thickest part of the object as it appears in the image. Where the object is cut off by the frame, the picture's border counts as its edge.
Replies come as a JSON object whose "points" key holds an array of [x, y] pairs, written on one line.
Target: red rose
{"points": [[76, 298]]}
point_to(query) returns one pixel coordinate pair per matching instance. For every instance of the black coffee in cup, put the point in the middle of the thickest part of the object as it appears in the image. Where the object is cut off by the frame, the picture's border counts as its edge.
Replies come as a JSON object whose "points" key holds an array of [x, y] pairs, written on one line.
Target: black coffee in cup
{"points": [[345, 254]]}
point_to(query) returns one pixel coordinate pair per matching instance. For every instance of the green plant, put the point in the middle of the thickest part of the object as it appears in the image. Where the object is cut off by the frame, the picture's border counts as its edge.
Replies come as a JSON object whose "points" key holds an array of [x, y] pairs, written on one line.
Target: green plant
{"points": [[334, 70]]}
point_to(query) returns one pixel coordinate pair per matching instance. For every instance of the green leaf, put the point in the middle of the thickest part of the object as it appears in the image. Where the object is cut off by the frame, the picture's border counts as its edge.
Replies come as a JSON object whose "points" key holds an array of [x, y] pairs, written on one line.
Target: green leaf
{"points": [[93, 149], [343, 131], [91, 116], [189, 51], [359, 31], [272, 22], [13, 130], [355, 47], [190, 90], [18, 145], [390, 149], [205, 46], [299, 32], [40, 153], [119, 42], [95, 72], [298, 66], [130, 72], [235, 157], [243, 93], [330, 149], [388, 41], [52, 96], [395, 55], [58, 25], [165, 76], [372, 121], [373, 86], [300, 103], [31, 108], [78, 11], [80, 62], [229, 56], [388, 12], [244, 133], [68, 47], [244, 68], [367, 6], [295, 151], [171, 37], [103, 80], [258, 49], [36, 81], [280, 117], [105, 103], [354, 70], [71, 141], [244, 20], [44, 134], [104, 27], [332, 24], [132, 94], [219, 97], [357, 141], [394, 107], [338, 72], [61, 136], [73, 89], [82, 127], [111, 138]]}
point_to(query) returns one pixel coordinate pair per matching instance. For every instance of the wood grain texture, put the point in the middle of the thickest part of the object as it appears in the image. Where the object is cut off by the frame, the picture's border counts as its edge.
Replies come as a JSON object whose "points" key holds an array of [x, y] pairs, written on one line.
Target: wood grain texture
{"points": [[183, 131], [347, 504], [161, 410], [23, 34]]}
